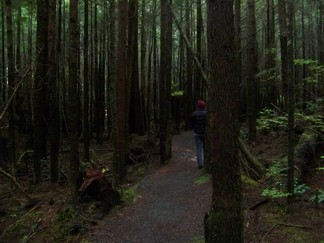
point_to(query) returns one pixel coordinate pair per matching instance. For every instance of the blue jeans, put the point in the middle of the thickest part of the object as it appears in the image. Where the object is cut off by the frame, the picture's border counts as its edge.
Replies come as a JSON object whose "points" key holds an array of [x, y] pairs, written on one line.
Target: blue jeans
{"points": [[200, 145]]}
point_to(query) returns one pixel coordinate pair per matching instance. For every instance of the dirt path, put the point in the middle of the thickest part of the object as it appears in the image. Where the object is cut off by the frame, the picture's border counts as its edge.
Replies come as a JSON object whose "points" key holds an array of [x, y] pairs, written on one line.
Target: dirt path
{"points": [[170, 206]]}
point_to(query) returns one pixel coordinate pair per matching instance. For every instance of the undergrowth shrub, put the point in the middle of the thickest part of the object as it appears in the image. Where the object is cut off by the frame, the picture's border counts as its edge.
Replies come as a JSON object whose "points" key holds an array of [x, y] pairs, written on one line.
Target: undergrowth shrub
{"points": [[68, 223], [270, 121], [277, 187]]}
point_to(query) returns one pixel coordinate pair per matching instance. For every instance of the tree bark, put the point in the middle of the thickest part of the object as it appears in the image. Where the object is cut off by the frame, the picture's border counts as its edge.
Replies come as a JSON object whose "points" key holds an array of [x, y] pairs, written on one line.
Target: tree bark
{"points": [[225, 220]]}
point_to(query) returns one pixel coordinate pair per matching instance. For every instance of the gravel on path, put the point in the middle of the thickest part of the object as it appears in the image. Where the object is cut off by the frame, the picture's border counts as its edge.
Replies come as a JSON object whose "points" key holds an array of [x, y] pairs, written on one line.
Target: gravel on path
{"points": [[170, 206]]}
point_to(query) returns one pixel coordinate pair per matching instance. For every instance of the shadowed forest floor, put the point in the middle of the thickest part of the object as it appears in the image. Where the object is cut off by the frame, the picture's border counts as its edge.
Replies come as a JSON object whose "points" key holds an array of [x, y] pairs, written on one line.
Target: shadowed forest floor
{"points": [[168, 205], [171, 204]]}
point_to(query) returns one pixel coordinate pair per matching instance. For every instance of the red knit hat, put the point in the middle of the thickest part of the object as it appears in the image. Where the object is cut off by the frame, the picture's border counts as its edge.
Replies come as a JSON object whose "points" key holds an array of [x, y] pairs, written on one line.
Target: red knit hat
{"points": [[201, 104]]}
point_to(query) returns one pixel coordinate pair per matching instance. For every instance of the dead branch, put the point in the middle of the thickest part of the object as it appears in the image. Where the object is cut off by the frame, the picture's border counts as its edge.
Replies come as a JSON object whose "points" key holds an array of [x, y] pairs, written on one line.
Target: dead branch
{"points": [[13, 179], [268, 232], [187, 42], [31, 210], [15, 90], [258, 168], [258, 204], [295, 226]]}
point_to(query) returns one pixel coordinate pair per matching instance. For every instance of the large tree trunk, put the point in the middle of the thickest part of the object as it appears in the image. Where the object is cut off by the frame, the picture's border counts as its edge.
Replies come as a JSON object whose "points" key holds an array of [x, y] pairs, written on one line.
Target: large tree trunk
{"points": [[225, 220]]}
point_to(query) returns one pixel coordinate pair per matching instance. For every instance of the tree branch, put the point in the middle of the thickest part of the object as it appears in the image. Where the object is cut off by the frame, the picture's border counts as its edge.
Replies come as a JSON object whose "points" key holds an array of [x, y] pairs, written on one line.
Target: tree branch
{"points": [[13, 179], [187, 42]]}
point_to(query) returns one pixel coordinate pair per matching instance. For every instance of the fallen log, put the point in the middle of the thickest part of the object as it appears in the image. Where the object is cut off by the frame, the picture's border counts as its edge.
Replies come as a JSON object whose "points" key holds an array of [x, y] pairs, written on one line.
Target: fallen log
{"points": [[305, 150], [249, 163]]}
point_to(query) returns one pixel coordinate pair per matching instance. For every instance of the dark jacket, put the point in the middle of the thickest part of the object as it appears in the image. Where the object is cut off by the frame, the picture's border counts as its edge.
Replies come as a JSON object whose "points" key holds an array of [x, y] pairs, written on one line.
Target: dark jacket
{"points": [[199, 119]]}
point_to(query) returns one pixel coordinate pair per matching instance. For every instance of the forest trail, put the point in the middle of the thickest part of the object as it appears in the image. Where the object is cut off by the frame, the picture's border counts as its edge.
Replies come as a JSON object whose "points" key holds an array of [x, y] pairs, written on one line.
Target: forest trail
{"points": [[169, 207]]}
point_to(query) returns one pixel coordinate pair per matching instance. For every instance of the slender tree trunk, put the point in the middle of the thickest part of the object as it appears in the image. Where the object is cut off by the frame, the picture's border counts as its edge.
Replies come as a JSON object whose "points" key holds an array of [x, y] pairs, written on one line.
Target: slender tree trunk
{"points": [[86, 142], [189, 96], [54, 112], [321, 45], [270, 54], [3, 53], [283, 48], [73, 106], [29, 78], [112, 79], [225, 220], [18, 45], [143, 69], [40, 87], [165, 81], [136, 119], [251, 69], [291, 99], [121, 143], [155, 69], [238, 43], [12, 87], [198, 82]]}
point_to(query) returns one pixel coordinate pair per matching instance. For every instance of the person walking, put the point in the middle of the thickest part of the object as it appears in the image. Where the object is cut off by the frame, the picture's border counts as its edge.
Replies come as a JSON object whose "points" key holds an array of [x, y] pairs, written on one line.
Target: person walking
{"points": [[199, 119]]}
